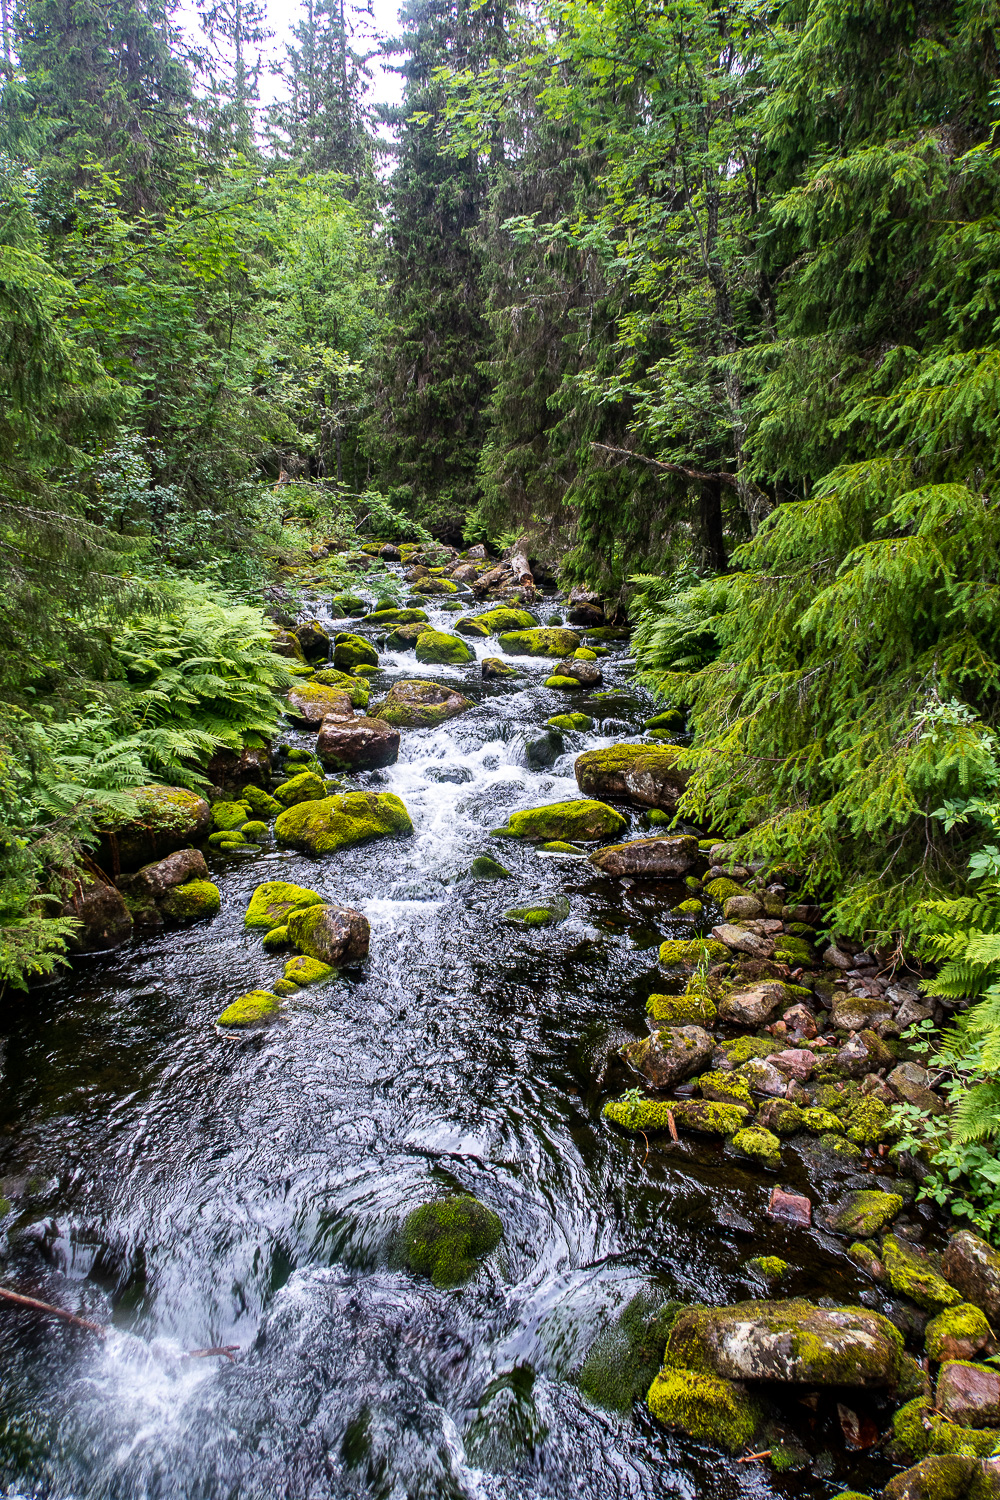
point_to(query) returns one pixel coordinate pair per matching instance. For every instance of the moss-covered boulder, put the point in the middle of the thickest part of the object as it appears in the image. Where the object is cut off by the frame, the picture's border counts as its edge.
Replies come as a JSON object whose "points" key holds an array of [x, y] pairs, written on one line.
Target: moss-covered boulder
{"points": [[485, 868], [624, 1359], [303, 970], [688, 953], [352, 651], [670, 1055], [405, 637], [229, 816], [918, 1429], [306, 787], [681, 1010], [759, 1146], [709, 1116], [470, 626], [863, 1214], [256, 1008], [444, 1239], [564, 820], [792, 1342], [704, 1407], [503, 620], [566, 684], [973, 1266], [434, 586], [436, 646], [542, 913], [347, 606], [276, 939], [193, 901], [387, 617], [165, 818], [493, 669], [272, 903], [942, 1476], [311, 703], [644, 775], [261, 803], [579, 722], [540, 642], [957, 1333], [356, 689], [284, 643], [912, 1274], [342, 821], [332, 933], [417, 704]]}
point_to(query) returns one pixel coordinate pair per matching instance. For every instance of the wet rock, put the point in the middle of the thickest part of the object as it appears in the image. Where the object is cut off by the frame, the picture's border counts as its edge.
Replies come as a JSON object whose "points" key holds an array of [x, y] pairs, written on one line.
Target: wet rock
{"points": [[800, 1021], [472, 627], [154, 880], [356, 689], [105, 920], [587, 673], [485, 868], [669, 1056], [742, 908], [623, 1360], [579, 722], [863, 1213], [273, 902], [681, 1010], [502, 621], [445, 1239], [543, 913], [314, 640], [688, 953], [255, 1009], [762, 1077], [792, 1342], [789, 1208], [733, 1054], [538, 642], [340, 822], [758, 1145], [493, 669], [644, 775], [661, 857], [347, 605], [166, 818], [352, 651], [797, 1062], [437, 646], [706, 1117], [390, 552], [912, 1274], [284, 643], [742, 940], [388, 617], [754, 1006], [725, 1088], [577, 820], [311, 703], [417, 704], [969, 1394], [958, 1333], [973, 1266], [234, 771], [332, 933], [363, 744], [542, 750], [402, 637], [705, 1407], [435, 586], [307, 786], [911, 1083], [942, 1476]]}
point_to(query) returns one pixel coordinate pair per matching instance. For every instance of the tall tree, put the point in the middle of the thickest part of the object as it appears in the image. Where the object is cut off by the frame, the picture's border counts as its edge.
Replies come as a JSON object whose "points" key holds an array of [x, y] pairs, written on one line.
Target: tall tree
{"points": [[231, 64], [323, 122]]}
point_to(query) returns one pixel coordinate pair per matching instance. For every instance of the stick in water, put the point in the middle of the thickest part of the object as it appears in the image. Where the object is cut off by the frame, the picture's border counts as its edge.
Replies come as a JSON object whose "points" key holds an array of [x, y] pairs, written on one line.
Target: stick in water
{"points": [[59, 1312], [229, 1350]]}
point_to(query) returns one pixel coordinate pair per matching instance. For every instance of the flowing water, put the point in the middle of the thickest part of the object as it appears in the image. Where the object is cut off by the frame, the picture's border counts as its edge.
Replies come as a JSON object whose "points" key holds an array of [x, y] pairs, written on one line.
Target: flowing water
{"points": [[196, 1190]]}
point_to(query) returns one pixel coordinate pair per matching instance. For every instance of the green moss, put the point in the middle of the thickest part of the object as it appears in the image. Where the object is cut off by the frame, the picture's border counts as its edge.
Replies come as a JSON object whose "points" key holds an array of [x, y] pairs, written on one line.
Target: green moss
{"points": [[485, 868], [706, 1117], [758, 1145], [434, 586], [272, 902], [580, 820], [437, 646], [235, 843], [626, 1355], [229, 815], [864, 1213], [583, 653], [865, 1257], [343, 682], [671, 718], [444, 1239], [919, 1430], [471, 626], [285, 987], [367, 670], [866, 1120], [257, 1008], [546, 642], [230, 837], [261, 803], [192, 901], [727, 1088], [419, 704], [744, 1048], [296, 754], [276, 939], [657, 818], [559, 846], [579, 722], [306, 787], [821, 1122], [305, 970], [963, 1322], [539, 916], [397, 617], [682, 1010], [912, 1275], [690, 908], [503, 619], [688, 953], [721, 889], [771, 1267], [793, 951], [254, 831], [705, 1407], [342, 821], [353, 651], [636, 1114]]}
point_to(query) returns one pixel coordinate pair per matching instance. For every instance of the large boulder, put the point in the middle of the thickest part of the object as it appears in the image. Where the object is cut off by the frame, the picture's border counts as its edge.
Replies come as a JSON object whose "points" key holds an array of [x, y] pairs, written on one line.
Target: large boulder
{"points": [[362, 745], [671, 1055], [941, 1476], [540, 642], [503, 620], [436, 646], [339, 822], [973, 1266], [417, 704], [166, 818], [656, 856], [388, 617], [334, 934], [105, 920], [352, 651], [644, 775], [564, 821], [791, 1342], [273, 902], [311, 703]]}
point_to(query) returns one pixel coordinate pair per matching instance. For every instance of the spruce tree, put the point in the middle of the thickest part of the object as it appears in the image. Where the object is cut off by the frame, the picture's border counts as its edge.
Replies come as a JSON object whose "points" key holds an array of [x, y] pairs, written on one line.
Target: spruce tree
{"points": [[322, 124]]}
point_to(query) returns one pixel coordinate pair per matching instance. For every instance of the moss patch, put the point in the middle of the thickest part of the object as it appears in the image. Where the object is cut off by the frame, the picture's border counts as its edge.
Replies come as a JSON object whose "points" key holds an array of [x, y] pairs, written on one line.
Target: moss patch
{"points": [[358, 691], [353, 651], [688, 953], [725, 1088], [963, 1323], [580, 820], [261, 803], [342, 821], [691, 908], [256, 1008], [227, 816], [306, 787], [722, 888], [502, 619], [192, 901], [705, 1407], [276, 939], [919, 1430], [545, 642], [436, 646], [864, 1213], [708, 1117], [484, 868], [272, 902], [682, 1010], [744, 1048], [444, 1239], [305, 970], [758, 1145], [626, 1355], [912, 1275], [579, 722]]}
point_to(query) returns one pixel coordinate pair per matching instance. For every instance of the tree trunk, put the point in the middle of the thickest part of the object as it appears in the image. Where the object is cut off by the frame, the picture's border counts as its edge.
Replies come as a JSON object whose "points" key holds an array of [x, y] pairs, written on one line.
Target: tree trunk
{"points": [[713, 546]]}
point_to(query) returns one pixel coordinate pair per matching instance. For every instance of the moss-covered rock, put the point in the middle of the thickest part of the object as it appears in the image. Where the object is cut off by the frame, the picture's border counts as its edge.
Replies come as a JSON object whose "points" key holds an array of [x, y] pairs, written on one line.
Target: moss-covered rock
{"points": [[669, 1055], [229, 816], [542, 914], [417, 704], [705, 1407], [567, 684], [276, 939], [912, 1274], [342, 821], [356, 689], [681, 1010], [771, 1267], [709, 1117], [821, 1122], [193, 901], [387, 617], [272, 902], [623, 1360], [541, 642], [229, 837], [863, 1214], [559, 846], [504, 620], [485, 868], [670, 718], [690, 908], [347, 606], [919, 1429], [437, 646], [352, 651], [644, 775], [306, 787], [305, 970], [866, 1120], [256, 1008], [734, 1054], [939, 1477], [255, 832], [639, 1115], [471, 627], [261, 803], [688, 953], [725, 1088], [445, 1238], [434, 586], [579, 722], [759, 1146], [310, 703], [721, 889], [957, 1333], [577, 820]]}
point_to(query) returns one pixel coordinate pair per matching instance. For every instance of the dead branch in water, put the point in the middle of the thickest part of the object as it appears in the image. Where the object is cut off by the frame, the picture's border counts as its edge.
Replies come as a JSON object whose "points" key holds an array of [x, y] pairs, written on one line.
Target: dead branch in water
{"points": [[46, 1307]]}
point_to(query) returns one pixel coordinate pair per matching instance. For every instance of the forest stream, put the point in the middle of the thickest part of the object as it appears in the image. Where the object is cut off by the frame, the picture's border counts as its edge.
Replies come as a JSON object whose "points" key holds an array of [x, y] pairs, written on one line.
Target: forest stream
{"points": [[194, 1190]]}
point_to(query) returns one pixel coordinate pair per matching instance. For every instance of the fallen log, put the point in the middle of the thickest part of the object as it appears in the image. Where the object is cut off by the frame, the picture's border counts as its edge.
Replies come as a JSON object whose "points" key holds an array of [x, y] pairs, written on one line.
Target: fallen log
{"points": [[518, 564]]}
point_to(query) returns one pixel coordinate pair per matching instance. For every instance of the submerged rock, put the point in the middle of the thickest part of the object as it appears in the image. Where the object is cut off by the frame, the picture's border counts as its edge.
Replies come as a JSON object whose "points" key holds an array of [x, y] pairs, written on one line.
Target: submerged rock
{"points": [[256, 1008], [624, 1359], [540, 914], [543, 749], [272, 903], [444, 1239], [539, 642], [660, 857], [565, 821], [485, 868], [362, 745], [669, 1056], [417, 704], [341, 821], [645, 775], [332, 933]]}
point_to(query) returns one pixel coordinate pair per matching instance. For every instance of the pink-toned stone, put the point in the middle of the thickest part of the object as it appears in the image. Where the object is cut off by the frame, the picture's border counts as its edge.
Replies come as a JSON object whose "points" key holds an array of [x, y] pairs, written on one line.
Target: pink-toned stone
{"points": [[969, 1394], [789, 1208]]}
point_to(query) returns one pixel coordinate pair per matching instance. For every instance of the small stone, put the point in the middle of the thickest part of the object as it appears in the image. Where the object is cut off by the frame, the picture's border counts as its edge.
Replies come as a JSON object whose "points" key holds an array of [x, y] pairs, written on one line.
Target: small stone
{"points": [[541, 914], [911, 1011], [485, 868], [741, 940], [836, 958], [735, 908], [796, 1061], [911, 1082], [958, 1333], [762, 1077], [800, 1022], [969, 1394], [752, 1007], [256, 1008], [303, 970], [789, 1208]]}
